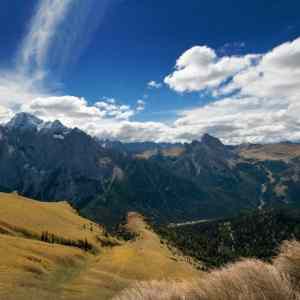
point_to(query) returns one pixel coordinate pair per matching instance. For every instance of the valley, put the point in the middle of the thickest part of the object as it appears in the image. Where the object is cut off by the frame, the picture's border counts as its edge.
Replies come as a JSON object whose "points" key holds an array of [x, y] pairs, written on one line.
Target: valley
{"points": [[168, 183]]}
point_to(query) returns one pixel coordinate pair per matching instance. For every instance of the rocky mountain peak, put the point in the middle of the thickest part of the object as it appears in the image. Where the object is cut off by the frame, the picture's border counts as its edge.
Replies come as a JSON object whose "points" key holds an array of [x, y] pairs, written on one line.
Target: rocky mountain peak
{"points": [[55, 127], [210, 140], [28, 122], [24, 121]]}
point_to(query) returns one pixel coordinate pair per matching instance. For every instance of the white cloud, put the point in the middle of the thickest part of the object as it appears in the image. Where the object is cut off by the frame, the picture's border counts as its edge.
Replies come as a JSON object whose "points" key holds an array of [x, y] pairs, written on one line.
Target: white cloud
{"points": [[200, 68], [26, 81], [76, 112], [238, 120], [23, 89], [44, 25], [154, 85], [110, 109], [135, 131], [140, 105], [15, 89], [5, 114], [276, 75], [258, 94], [264, 102]]}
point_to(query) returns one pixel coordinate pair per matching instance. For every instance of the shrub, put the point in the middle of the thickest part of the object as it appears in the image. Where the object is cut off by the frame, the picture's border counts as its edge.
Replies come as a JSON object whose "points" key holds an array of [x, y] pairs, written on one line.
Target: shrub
{"points": [[245, 280], [288, 261]]}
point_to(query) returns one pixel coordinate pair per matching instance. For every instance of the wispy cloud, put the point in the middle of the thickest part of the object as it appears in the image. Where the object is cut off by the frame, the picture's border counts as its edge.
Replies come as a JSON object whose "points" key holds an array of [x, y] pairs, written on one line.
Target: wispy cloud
{"points": [[57, 33], [154, 85], [25, 82], [44, 25]]}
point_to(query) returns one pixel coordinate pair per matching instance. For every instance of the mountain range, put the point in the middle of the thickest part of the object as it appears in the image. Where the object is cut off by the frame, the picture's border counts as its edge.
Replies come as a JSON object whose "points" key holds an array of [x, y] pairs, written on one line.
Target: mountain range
{"points": [[104, 179]]}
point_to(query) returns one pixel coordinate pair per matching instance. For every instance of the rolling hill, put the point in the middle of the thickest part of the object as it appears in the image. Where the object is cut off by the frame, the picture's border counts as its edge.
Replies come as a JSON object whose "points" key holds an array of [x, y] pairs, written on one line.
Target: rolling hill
{"points": [[33, 267]]}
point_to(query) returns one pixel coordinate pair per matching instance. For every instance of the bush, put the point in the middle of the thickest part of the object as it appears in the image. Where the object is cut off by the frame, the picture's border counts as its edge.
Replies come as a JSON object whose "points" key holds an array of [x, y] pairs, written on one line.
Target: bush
{"points": [[245, 280], [54, 239], [288, 261]]}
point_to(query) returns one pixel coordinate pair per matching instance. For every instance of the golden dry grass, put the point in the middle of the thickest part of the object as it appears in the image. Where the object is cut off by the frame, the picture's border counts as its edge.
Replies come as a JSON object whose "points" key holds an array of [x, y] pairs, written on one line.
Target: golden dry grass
{"points": [[35, 270], [57, 218], [288, 261], [143, 259], [170, 152], [282, 151], [29, 267], [245, 280]]}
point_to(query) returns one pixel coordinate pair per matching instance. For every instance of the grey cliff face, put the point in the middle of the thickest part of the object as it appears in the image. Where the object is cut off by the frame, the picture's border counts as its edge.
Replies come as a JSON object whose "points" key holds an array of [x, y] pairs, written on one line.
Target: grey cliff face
{"points": [[50, 162]]}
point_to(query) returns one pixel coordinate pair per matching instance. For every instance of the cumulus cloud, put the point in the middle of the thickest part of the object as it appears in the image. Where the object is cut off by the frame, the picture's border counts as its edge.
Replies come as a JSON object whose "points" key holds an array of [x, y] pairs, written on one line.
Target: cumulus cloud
{"points": [[238, 120], [154, 85], [77, 112], [276, 75], [111, 109], [257, 95], [200, 68], [262, 102], [136, 131]]}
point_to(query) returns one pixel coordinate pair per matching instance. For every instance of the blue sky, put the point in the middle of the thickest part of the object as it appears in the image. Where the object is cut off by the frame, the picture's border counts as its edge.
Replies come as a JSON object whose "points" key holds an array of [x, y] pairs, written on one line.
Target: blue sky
{"points": [[109, 50]]}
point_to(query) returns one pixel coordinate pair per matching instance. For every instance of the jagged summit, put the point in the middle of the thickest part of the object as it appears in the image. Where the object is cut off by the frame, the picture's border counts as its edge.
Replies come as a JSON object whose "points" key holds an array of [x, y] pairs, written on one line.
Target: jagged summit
{"points": [[27, 121], [55, 127], [24, 121], [210, 140]]}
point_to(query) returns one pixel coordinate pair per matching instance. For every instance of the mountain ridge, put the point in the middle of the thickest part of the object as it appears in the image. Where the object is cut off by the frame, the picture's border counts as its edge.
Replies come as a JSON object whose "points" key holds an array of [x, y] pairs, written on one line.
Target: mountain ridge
{"points": [[166, 182]]}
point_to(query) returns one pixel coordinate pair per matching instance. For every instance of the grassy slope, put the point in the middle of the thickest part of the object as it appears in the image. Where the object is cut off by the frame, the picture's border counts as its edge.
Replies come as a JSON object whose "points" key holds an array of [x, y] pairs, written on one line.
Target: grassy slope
{"points": [[37, 217], [282, 151], [35, 270], [248, 279], [145, 258], [31, 269]]}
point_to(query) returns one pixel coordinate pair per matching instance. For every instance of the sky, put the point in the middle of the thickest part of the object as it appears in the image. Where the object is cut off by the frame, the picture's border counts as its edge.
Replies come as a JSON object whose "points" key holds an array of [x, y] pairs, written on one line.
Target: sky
{"points": [[152, 70]]}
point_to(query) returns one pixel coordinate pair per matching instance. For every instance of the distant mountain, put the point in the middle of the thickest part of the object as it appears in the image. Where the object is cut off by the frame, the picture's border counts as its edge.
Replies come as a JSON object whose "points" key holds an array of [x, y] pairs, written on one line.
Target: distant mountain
{"points": [[141, 149], [166, 182]]}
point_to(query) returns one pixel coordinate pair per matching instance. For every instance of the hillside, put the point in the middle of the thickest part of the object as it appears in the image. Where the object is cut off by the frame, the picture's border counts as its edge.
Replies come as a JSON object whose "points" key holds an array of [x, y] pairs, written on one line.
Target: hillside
{"points": [[281, 151], [257, 234], [21, 216], [33, 267], [141, 259], [249, 279]]}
